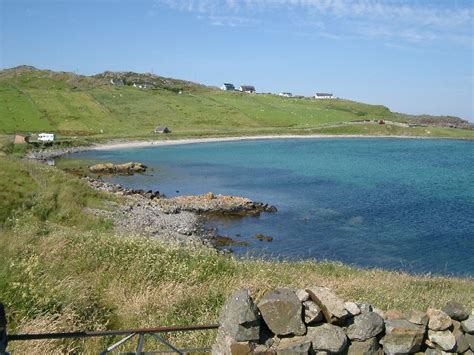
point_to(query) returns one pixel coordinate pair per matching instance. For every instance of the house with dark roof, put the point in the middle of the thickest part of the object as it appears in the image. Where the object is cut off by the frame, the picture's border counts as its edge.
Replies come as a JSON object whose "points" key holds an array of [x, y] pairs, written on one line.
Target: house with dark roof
{"points": [[247, 88], [286, 94], [324, 95], [117, 82], [228, 87]]}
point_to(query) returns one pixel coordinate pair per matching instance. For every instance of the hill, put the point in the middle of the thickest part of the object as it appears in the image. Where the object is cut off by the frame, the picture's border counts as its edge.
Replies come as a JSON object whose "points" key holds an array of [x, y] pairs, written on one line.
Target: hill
{"points": [[35, 100]]}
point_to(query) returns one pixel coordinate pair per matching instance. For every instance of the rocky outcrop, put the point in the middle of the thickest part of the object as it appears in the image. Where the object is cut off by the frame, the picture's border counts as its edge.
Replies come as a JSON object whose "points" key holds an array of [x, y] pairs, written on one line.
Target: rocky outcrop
{"points": [[290, 325], [119, 169], [211, 204]]}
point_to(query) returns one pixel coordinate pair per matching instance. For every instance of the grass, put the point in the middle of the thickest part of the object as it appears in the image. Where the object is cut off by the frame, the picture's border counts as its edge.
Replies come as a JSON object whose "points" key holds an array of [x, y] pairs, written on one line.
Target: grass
{"points": [[72, 106], [62, 269]]}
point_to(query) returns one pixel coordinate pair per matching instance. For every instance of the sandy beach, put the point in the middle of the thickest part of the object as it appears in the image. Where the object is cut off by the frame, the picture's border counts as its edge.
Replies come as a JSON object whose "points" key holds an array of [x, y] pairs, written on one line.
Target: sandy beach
{"points": [[151, 143]]}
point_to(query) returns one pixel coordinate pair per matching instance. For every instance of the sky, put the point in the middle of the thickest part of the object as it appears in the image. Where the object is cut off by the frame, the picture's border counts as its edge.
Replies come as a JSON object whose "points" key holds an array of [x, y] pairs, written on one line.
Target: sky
{"points": [[413, 56]]}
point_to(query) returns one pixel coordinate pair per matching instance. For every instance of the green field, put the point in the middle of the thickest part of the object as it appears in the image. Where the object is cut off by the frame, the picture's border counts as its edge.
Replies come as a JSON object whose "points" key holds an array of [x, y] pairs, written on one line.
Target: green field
{"points": [[77, 106], [62, 269]]}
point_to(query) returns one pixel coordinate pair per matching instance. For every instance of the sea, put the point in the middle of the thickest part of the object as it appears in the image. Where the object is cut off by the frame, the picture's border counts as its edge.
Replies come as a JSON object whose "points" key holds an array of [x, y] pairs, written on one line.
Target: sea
{"points": [[397, 204]]}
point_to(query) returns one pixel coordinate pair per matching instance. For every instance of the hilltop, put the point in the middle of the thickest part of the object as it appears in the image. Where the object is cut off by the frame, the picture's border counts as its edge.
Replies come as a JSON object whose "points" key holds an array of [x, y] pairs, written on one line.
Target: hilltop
{"points": [[34, 100]]}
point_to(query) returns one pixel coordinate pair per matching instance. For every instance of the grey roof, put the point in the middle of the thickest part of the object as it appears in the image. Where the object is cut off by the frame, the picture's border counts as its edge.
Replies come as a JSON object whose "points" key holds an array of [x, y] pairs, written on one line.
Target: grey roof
{"points": [[247, 88], [323, 94]]}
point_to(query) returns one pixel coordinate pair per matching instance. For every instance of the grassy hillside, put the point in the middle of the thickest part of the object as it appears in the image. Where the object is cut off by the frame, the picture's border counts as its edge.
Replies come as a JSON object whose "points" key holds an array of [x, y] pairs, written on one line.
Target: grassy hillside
{"points": [[34, 100], [62, 269]]}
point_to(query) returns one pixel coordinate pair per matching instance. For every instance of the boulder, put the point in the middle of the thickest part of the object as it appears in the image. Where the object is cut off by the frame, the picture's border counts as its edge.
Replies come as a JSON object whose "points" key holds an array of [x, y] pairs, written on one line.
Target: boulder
{"points": [[298, 345], [282, 311], [418, 317], [327, 337], [364, 307], [470, 340], [462, 342], [225, 344], [438, 320], [394, 314], [368, 347], [352, 308], [434, 352], [302, 295], [468, 324], [312, 313], [365, 326], [332, 306], [239, 317], [456, 311], [442, 338], [402, 337]]}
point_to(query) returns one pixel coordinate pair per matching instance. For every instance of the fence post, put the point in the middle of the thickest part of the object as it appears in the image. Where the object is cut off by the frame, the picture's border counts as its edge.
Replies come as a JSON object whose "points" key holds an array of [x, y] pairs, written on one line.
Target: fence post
{"points": [[3, 330]]}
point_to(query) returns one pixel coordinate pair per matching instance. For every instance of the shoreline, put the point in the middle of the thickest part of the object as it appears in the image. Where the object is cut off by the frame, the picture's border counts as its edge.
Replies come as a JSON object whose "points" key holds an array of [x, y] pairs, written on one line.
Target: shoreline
{"points": [[183, 141]]}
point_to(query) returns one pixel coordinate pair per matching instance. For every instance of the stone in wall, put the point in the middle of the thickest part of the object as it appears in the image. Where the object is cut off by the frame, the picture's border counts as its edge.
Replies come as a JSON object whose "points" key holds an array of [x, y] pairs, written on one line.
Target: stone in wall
{"points": [[332, 306], [282, 312]]}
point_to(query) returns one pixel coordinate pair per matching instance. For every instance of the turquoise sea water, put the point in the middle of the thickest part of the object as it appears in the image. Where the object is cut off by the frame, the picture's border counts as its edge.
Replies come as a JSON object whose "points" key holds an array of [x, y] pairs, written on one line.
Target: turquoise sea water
{"points": [[399, 204]]}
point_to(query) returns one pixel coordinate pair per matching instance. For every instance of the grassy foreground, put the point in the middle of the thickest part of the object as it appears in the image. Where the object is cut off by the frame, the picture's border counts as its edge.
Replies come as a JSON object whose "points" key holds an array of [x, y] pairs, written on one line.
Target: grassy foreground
{"points": [[61, 269]]}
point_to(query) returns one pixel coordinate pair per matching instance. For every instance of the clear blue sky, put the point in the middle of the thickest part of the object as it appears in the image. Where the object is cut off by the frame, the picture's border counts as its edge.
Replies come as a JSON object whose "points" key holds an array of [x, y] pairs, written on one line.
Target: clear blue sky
{"points": [[413, 56]]}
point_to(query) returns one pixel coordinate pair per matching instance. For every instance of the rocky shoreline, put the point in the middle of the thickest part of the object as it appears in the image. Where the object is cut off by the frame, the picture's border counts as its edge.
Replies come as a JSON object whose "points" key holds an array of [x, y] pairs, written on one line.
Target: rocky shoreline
{"points": [[179, 219]]}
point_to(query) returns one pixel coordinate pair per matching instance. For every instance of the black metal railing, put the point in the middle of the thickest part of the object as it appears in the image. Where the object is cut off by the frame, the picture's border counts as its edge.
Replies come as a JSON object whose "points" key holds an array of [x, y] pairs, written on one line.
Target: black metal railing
{"points": [[127, 335]]}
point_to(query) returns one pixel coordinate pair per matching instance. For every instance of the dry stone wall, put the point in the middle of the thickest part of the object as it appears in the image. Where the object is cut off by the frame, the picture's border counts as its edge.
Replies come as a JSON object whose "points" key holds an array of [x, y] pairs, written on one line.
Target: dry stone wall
{"points": [[316, 321]]}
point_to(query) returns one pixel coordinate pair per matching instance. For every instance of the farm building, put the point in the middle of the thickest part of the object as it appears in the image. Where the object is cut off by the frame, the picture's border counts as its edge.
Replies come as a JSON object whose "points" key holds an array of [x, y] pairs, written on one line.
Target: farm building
{"points": [[228, 87], [162, 129], [247, 88], [286, 94], [323, 95]]}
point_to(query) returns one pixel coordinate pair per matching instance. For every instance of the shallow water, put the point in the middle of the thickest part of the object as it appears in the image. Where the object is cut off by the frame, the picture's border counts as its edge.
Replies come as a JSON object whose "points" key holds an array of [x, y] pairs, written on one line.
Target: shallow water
{"points": [[393, 203]]}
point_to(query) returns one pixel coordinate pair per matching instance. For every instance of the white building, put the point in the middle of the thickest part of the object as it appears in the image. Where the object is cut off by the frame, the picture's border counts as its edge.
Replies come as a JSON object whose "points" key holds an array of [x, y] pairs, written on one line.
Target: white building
{"points": [[46, 137], [286, 94], [247, 88], [324, 95]]}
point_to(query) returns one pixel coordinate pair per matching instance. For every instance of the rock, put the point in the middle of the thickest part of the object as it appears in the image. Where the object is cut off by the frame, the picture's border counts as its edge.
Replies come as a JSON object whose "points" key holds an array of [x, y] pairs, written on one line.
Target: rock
{"points": [[379, 312], [468, 324], [331, 305], [364, 307], [469, 352], [262, 237], [443, 338], [470, 340], [438, 320], [365, 326], [402, 337], [394, 314], [435, 352], [327, 337], [368, 347], [462, 342], [261, 349], [302, 295], [239, 317], [282, 312], [225, 344], [418, 317], [299, 345], [126, 168], [456, 311], [312, 313], [352, 308]]}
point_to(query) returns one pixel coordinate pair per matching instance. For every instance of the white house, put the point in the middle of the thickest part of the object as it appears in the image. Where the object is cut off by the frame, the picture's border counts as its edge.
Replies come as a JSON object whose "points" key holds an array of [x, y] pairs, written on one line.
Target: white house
{"points": [[324, 95], [228, 87], [247, 88], [286, 94], [144, 85], [46, 137]]}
